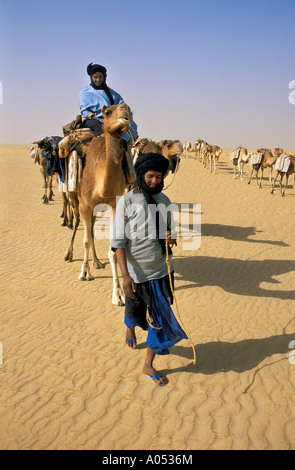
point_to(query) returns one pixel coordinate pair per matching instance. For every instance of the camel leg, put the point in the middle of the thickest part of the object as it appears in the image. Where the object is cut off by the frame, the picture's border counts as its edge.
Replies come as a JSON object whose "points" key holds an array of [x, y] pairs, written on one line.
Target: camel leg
{"points": [[260, 184], [286, 184], [215, 166], [64, 214], [86, 216], [44, 197], [70, 213], [241, 170], [274, 182], [270, 176], [118, 297], [75, 207], [251, 175], [50, 197], [96, 263]]}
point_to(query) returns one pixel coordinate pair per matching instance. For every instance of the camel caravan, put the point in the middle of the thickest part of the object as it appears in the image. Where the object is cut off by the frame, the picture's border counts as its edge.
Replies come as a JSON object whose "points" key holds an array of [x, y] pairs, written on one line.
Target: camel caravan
{"points": [[259, 160], [207, 154], [263, 159]]}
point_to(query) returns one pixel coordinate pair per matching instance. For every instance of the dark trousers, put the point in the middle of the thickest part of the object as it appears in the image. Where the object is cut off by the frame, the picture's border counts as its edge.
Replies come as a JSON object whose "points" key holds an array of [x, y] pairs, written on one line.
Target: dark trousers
{"points": [[94, 125]]}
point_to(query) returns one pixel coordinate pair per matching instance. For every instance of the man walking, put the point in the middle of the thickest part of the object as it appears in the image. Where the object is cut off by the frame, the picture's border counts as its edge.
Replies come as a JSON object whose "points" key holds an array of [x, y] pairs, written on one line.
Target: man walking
{"points": [[142, 227]]}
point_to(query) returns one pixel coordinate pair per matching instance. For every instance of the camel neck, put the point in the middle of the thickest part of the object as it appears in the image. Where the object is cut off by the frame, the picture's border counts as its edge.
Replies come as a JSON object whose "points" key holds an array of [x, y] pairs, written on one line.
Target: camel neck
{"points": [[113, 168]]}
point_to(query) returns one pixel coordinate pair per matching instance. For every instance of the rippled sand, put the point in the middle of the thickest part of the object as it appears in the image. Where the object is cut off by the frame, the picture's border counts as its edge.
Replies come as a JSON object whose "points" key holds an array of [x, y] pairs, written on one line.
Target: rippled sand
{"points": [[69, 382]]}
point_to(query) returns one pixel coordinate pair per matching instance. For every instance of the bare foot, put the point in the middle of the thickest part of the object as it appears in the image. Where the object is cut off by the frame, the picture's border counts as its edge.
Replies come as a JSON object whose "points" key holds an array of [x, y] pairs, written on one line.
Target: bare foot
{"points": [[131, 338], [154, 376]]}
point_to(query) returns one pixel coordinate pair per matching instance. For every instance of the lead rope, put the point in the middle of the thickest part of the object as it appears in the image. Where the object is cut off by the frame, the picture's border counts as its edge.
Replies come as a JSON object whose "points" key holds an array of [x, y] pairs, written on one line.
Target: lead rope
{"points": [[176, 306]]}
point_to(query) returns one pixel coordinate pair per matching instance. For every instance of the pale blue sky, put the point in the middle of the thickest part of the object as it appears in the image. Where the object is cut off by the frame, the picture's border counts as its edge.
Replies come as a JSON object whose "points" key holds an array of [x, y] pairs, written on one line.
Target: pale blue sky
{"points": [[212, 69]]}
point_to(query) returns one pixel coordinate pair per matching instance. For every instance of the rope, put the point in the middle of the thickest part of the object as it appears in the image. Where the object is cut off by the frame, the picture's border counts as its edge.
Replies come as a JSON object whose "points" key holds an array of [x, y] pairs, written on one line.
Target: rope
{"points": [[130, 133], [176, 306], [176, 170], [164, 189]]}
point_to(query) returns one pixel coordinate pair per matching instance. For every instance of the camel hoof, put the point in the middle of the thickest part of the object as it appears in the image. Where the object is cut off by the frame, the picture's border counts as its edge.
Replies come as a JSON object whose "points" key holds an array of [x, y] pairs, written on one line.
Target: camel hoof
{"points": [[118, 303], [97, 265], [85, 277], [68, 257]]}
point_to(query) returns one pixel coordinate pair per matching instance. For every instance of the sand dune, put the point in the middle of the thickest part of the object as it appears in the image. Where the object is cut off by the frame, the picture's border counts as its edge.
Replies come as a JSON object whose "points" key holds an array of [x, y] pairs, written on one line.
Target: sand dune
{"points": [[67, 379]]}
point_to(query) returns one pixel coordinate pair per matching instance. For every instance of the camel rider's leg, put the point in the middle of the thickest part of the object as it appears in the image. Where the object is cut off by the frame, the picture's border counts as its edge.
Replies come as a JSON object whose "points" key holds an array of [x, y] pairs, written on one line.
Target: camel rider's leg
{"points": [[94, 125]]}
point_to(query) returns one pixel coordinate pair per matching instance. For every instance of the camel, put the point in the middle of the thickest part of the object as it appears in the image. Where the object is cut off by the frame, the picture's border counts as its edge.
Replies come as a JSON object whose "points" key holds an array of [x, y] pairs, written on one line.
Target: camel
{"points": [[240, 157], [46, 172], [289, 172], [212, 154], [268, 161], [170, 149], [103, 179], [187, 147], [200, 147]]}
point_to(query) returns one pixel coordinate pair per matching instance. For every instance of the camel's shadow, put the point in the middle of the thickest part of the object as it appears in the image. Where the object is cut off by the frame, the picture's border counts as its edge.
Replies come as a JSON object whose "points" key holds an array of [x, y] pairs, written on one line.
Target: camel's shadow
{"points": [[218, 356], [236, 233], [233, 275]]}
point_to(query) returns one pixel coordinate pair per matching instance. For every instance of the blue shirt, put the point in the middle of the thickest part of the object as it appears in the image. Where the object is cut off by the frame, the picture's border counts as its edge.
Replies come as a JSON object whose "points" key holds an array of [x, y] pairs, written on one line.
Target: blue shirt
{"points": [[91, 101]]}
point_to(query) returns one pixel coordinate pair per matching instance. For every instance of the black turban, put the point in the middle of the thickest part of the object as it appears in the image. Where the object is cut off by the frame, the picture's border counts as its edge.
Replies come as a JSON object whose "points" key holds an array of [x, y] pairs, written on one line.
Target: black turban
{"points": [[151, 161], [93, 68], [154, 162]]}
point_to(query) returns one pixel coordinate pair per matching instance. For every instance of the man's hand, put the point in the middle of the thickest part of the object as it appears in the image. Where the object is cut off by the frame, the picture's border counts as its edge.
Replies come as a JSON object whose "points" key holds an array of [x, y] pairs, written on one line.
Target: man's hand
{"points": [[170, 240], [128, 286]]}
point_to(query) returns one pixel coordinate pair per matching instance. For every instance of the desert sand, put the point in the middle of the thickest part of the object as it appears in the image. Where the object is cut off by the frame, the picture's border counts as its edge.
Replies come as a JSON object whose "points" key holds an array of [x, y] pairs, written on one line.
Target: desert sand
{"points": [[67, 379]]}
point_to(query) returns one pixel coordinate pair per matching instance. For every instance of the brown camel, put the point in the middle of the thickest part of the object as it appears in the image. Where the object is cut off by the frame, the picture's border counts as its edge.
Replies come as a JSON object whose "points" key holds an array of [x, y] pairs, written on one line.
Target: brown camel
{"points": [[46, 172], [289, 172], [268, 161], [170, 149], [211, 157], [103, 179]]}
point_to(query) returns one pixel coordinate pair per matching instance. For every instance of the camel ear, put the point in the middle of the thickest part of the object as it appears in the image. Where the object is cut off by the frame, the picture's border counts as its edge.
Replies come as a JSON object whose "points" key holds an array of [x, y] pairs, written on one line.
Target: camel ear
{"points": [[103, 109]]}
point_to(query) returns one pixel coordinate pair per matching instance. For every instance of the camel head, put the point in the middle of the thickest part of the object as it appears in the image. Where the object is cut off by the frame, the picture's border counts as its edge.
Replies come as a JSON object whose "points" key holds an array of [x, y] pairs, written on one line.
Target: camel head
{"points": [[278, 151], [116, 119], [170, 148]]}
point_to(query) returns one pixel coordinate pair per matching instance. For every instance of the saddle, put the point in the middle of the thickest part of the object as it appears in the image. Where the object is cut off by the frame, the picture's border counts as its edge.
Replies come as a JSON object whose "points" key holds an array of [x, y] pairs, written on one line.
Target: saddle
{"points": [[283, 163]]}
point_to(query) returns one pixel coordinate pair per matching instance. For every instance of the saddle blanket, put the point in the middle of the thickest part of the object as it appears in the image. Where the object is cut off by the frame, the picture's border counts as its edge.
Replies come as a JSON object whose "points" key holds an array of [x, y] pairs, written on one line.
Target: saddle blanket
{"points": [[73, 173], [256, 158], [283, 163], [78, 140]]}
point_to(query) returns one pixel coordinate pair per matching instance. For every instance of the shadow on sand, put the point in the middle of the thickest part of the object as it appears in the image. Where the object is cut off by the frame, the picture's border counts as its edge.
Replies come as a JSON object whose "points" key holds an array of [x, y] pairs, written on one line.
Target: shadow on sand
{"points": [[219, 356], [233, 275]]}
